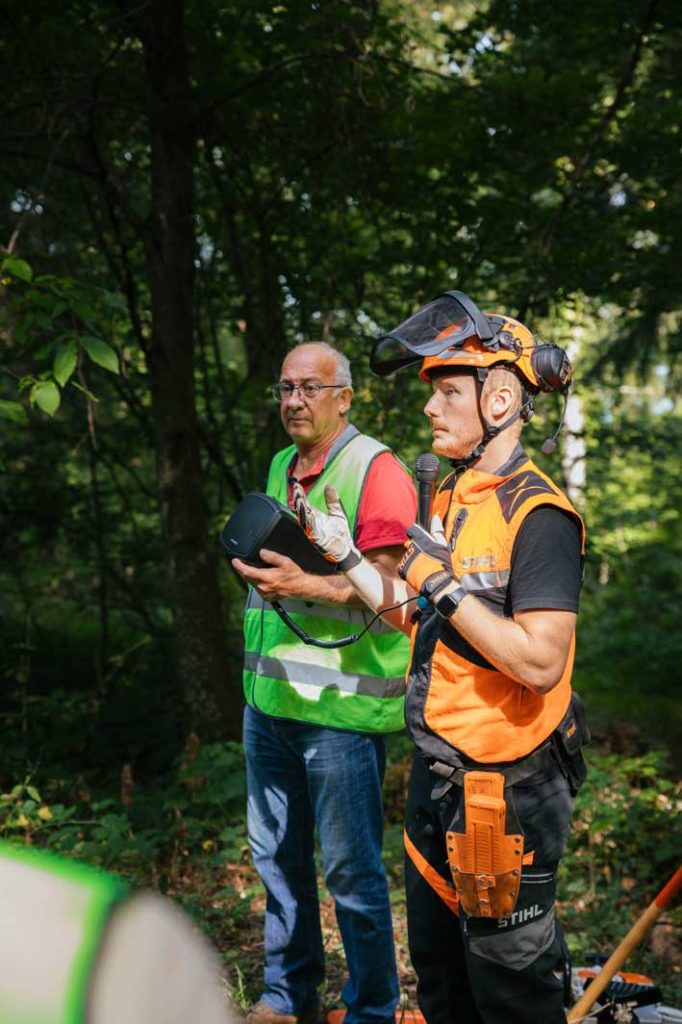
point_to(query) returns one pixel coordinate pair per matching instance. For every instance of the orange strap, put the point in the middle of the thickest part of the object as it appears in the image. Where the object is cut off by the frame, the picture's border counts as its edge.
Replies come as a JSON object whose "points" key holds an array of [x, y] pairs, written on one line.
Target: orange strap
{"points": [[431, 876]]}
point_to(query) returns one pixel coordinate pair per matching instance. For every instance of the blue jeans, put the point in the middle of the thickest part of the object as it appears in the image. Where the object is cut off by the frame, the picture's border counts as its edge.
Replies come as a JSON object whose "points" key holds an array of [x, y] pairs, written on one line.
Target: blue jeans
{"points": [[300, 777]]}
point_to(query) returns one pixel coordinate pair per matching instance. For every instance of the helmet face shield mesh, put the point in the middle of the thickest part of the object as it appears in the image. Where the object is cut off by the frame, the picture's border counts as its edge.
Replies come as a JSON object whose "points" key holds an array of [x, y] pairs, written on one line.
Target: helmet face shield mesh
{"points": [[440, 324]]}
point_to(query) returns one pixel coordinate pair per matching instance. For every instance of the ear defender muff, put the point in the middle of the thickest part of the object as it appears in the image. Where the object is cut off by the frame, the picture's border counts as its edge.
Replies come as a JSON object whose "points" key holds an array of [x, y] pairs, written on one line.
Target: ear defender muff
{"points": [[551, 366]]}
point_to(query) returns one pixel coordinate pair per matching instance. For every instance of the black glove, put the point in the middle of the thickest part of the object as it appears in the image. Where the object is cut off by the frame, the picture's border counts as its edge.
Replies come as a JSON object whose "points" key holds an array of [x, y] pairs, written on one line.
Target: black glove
{"points": [[427, 567]]}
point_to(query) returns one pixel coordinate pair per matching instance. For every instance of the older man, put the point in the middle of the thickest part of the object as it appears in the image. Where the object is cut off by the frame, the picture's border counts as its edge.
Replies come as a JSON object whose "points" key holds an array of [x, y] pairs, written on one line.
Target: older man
{"points": [[315, 719]]}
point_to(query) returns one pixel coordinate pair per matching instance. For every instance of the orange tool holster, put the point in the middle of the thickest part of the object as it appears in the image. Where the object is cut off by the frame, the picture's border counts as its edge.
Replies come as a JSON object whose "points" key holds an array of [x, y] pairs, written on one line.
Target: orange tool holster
{"points": [[485, 862]]}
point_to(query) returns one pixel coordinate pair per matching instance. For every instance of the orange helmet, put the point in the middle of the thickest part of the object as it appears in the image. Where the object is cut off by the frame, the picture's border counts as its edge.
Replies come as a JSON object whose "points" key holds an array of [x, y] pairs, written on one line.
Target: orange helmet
{"points": [[452, 331], [514, 348]]}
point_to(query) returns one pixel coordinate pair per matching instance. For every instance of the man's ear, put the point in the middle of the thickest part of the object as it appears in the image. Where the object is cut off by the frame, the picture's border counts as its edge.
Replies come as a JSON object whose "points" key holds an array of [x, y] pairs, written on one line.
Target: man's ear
{"points": [[500, 402], [345, 398]]}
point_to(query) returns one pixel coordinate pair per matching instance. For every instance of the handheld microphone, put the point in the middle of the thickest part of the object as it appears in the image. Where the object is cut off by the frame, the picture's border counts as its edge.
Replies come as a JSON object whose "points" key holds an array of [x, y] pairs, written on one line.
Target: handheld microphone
{"points": [[426, 470]]}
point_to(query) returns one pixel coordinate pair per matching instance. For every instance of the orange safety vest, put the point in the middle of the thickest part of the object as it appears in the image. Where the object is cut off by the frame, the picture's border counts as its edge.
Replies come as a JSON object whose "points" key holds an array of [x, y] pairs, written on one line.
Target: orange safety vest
{"points": [[457, 703]]}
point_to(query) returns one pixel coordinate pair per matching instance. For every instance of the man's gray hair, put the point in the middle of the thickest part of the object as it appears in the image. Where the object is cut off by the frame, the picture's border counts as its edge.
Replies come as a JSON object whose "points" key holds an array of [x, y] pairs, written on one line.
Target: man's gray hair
{"points": [[343, 374]]}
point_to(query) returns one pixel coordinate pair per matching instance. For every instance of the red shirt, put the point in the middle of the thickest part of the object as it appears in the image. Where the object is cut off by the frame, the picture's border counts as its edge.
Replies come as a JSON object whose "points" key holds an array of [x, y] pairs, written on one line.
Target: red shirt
{"points": [[388, 504]]}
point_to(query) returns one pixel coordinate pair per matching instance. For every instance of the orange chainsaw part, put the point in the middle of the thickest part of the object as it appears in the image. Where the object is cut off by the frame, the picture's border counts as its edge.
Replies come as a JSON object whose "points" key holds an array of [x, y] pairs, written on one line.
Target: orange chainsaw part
{"points": [[485, 862]]}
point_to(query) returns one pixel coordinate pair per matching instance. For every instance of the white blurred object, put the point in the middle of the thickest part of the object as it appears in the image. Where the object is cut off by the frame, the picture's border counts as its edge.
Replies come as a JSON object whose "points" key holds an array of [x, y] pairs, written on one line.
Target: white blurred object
{"points": [[155, 966], [76, 946]]}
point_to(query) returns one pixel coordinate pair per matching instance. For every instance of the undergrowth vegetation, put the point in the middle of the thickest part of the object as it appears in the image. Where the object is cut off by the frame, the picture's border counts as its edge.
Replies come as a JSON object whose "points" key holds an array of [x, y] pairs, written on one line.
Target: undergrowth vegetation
{"points": [[184, 833]]}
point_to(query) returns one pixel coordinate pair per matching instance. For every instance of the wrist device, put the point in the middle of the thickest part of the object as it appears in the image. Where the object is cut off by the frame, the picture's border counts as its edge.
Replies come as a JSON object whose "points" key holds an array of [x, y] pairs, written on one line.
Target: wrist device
{"points": [[349, 561], [444, 592]]}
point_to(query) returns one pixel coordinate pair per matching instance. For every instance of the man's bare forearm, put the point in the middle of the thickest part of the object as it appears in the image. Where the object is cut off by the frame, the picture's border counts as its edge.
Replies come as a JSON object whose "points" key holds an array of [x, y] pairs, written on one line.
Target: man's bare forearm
{"points": [[281, 578], [532, 647], [327, 590], [379, 589]]}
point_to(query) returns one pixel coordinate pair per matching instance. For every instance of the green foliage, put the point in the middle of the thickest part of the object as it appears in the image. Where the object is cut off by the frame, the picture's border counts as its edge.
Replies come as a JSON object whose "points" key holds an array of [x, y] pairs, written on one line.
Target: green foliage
{"points": [[625, 842], [17, 268], [351, 160], [630, 648], [65, 362], [100, 352], [13, 411], [49, 317], [196, 810], [45, 394], [624, 846]]}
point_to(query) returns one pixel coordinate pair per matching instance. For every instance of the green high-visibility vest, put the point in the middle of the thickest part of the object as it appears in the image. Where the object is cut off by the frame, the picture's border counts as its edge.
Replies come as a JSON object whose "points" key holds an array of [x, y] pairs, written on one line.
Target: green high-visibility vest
{"points": [[360, 687]]}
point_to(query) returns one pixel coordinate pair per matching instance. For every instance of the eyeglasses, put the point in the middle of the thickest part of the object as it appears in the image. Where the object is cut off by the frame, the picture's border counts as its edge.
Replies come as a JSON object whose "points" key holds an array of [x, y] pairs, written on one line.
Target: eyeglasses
{"points": [[310, 391]]}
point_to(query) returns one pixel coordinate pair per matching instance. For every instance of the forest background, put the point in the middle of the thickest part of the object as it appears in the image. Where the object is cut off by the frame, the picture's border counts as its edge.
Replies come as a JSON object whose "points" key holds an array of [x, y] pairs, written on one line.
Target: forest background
{"points": [[187, 190]]}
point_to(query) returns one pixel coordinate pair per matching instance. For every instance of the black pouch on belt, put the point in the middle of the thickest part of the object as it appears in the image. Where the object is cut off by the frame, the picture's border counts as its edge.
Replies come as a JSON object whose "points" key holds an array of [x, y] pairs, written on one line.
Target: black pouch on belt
{"points": [[568, 739]]}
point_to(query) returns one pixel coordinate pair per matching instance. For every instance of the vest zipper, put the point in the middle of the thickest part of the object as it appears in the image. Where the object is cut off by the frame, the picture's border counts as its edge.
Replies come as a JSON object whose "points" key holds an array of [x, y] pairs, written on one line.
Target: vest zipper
{"points": [[457, 525]]}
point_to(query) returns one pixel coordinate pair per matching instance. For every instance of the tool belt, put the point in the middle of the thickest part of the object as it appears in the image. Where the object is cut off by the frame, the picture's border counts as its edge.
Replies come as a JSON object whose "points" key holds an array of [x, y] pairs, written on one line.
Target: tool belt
{"points": [[562, 751], [541, 759], [484, 860]]}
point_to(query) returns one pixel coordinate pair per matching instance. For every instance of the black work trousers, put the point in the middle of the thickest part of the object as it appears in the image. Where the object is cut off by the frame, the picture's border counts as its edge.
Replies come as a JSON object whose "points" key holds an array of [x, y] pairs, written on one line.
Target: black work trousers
{"points": [[486, 970]]}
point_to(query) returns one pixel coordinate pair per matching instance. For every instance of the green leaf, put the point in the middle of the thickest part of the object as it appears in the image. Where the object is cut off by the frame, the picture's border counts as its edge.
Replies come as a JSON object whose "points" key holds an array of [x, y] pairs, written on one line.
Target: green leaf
{"points": [[17, 268], [65, 362], [45, 394], [100, 353], [88, 394], [13, 411]]}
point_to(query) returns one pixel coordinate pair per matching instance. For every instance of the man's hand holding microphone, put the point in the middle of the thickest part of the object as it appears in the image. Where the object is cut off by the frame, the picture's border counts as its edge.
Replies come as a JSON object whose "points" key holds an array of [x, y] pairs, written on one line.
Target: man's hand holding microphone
{"points": [[427, 568]]}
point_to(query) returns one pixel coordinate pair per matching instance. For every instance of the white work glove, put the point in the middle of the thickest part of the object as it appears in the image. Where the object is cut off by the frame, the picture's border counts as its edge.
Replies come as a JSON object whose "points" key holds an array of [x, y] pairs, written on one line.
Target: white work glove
{"points": [[329, 533]]}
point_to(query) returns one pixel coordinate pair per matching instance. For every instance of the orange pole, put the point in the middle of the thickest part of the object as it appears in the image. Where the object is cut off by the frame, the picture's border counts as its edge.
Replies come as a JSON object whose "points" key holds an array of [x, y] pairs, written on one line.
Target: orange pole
{"points": [[625, 947]]}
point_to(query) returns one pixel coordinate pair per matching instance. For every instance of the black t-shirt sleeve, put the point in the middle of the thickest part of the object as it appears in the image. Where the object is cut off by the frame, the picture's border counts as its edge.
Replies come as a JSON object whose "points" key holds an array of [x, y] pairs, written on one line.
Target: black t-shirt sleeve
{"points": [[546, 563]]}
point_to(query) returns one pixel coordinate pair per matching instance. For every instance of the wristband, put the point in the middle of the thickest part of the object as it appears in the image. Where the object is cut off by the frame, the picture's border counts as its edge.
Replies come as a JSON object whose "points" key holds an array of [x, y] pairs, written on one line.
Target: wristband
{"points": [[447, 604], [349, 561]]}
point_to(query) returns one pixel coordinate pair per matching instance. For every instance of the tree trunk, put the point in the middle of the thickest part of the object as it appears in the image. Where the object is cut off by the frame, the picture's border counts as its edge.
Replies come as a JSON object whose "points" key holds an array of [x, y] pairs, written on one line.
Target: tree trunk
{"points": [[573, 454], [213, 700]]}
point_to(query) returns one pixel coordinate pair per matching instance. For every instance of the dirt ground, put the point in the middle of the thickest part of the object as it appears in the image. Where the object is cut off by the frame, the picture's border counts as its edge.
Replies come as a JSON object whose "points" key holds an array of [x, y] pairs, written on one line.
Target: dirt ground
{"points": [[243, 949]]}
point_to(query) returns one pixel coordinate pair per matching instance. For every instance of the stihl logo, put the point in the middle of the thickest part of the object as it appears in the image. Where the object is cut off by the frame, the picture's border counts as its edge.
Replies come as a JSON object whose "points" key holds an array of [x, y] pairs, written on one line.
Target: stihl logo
{"points": [[521, 916]]}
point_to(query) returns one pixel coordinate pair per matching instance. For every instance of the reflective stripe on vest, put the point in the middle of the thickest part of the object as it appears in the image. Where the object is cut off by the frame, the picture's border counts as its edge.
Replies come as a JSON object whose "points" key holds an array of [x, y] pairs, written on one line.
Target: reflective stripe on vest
{"points": [[457, 701], [308, 679], [359, 687]]}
